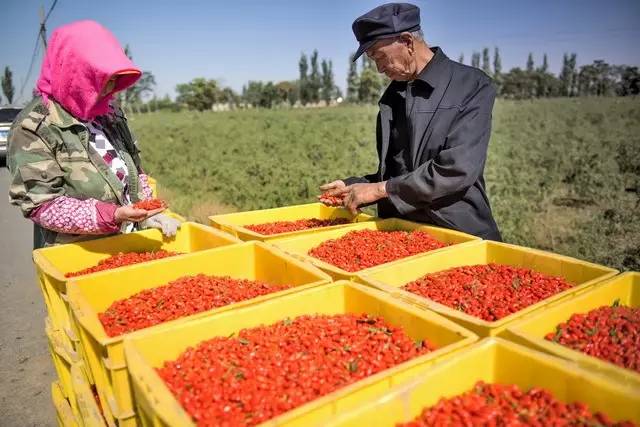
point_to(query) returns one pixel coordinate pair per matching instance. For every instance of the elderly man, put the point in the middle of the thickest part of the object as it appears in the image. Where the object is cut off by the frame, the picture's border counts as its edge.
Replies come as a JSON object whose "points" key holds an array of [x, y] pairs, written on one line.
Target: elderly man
{"points": [[433, 130]]}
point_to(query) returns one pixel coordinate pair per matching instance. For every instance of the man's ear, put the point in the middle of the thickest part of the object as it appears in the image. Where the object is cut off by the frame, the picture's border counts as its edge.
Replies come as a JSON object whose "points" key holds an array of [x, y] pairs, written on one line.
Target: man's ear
{"points": [[407, 39]]}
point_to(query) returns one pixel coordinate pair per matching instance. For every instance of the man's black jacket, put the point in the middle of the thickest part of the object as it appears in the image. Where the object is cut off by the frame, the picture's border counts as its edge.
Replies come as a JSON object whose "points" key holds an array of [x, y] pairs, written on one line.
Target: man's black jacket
{"points": [[433, 151]]}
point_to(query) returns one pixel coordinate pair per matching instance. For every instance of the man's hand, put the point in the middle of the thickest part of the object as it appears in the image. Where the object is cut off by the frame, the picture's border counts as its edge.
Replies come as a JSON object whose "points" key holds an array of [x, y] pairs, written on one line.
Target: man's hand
{"points": [[357, 195], [329, 190], [333, 188], [129, 213]]}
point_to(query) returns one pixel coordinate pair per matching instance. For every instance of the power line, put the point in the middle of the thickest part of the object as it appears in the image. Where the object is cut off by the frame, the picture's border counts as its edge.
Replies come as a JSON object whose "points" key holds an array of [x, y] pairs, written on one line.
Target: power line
{"points": [[43, 29], [33, 57], [42, 32], [50, 10]]}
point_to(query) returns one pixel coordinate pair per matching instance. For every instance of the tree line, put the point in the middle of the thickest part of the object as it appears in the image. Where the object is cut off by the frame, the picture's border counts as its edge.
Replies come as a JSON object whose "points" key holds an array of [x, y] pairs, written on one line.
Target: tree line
{"points": [[596, 79], [315, 85]]}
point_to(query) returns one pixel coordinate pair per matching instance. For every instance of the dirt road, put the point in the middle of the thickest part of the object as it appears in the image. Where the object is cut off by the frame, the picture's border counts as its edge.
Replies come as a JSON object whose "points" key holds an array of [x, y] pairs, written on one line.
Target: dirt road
{"points": [[26, 370]]}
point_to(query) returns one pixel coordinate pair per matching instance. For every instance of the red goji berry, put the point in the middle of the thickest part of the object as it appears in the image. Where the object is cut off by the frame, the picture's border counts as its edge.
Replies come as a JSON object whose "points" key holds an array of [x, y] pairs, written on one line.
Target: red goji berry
{"points": [[330, 200], [362, 249], [121, 259], [490, 291], [278, 227], [610, 333], [508, 405], [268, 370], [150, 204], [179, 298]]}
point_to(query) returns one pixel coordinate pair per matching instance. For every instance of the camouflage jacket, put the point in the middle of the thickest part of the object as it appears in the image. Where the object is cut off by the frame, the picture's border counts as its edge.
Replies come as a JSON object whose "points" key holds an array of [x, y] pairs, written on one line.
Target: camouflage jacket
{"points": [[49, 156]]}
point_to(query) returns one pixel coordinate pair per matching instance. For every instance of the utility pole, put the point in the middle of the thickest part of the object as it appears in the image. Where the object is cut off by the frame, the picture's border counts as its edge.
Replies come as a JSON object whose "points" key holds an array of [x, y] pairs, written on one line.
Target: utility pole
{"points": [[41, 38], [43, 29]]}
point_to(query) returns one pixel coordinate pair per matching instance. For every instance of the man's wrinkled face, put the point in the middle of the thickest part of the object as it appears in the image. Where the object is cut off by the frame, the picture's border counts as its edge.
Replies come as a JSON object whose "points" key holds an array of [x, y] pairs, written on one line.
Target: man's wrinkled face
{"points": [[394, 58]]}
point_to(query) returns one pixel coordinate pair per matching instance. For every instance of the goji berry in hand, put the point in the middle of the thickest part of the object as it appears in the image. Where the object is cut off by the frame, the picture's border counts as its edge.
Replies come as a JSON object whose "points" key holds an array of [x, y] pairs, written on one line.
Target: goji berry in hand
{"points": [[610, 333], [362, 249], [278, 227], [150, 204], [490, 291], [508, 405], [330, 200], [121, 259], [179, 298], [268, 370]]}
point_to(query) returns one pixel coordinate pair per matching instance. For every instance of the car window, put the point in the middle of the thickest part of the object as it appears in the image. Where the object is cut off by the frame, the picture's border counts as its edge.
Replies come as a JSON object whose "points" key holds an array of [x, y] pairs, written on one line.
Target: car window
{"points": [[8, 114]]}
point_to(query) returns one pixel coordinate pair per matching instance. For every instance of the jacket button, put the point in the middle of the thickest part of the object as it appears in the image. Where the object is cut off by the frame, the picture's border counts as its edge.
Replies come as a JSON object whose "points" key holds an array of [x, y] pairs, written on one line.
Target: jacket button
{"points": [[43, 174]]}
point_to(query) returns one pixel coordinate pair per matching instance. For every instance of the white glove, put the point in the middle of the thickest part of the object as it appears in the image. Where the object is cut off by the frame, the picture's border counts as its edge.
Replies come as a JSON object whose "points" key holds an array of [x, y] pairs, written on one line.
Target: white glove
{"points": [[169, 226]]}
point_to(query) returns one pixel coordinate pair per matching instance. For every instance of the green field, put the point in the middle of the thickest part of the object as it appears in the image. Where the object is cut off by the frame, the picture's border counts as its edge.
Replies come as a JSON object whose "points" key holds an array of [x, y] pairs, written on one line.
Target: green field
{"points": [[562, 174]]}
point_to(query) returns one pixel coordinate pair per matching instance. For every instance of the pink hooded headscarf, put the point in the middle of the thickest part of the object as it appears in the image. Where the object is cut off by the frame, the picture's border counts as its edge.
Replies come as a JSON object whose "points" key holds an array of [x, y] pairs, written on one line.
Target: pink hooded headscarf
{"points": [[81, 58]]}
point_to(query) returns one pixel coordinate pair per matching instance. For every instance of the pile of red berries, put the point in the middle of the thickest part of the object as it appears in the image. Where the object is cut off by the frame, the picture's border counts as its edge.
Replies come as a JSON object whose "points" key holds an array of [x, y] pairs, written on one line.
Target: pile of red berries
{"points": [[150, 204], [610, 333], [490, 291], [182, 297], [123, 258], [268, 370], [279, 227], [330, 200], [362, 249], [508, 405]]}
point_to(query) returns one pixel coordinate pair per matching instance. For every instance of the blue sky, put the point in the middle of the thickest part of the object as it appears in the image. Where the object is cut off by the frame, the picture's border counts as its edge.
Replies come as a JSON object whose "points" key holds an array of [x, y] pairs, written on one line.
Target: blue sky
{"points": [[241, 40]]}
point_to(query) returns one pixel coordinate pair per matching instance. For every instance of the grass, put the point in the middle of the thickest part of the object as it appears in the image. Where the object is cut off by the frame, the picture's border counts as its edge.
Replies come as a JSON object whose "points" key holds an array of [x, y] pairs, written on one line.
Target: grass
{"points": [[562, 174]]}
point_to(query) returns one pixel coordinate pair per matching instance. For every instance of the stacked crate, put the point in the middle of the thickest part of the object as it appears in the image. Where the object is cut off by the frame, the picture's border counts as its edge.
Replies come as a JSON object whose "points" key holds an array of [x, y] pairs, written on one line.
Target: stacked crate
{"points": [[121, 370], [52, 264]]}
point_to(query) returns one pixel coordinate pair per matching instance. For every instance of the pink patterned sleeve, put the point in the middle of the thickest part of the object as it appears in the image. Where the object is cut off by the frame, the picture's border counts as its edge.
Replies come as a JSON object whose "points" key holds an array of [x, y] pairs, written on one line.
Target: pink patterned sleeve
{"points": [[73, 216], [145, 189]]}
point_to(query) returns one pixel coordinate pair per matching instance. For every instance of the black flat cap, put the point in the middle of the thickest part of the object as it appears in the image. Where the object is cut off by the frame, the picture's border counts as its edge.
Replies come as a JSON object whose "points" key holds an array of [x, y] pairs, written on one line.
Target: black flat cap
{"points": [[383, 22]]}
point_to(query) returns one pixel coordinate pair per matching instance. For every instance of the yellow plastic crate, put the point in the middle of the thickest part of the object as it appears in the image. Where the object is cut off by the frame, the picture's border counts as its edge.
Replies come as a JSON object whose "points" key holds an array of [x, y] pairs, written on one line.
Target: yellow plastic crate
{"points": [[149, 350], [62, 356], [174, 215], [54, 262], [65, 361], [300, 246], [494, 360], [64, 415], [531, 330], [391, 278], [93, 294], [90, 414], [233, 223]]}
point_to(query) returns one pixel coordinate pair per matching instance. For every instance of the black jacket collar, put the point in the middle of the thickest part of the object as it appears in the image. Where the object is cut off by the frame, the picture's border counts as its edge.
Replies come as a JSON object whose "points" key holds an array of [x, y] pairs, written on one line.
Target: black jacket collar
{"points": [[435, 73]]}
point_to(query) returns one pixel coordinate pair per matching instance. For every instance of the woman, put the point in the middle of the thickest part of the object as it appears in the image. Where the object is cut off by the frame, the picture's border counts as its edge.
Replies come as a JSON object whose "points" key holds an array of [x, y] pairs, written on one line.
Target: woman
{"points": [[74, 162]]}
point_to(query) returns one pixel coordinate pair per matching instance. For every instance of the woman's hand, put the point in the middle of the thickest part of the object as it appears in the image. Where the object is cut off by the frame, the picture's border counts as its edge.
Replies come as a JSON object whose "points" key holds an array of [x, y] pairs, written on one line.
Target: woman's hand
{"points": [[129, 213], [169, 226]]}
